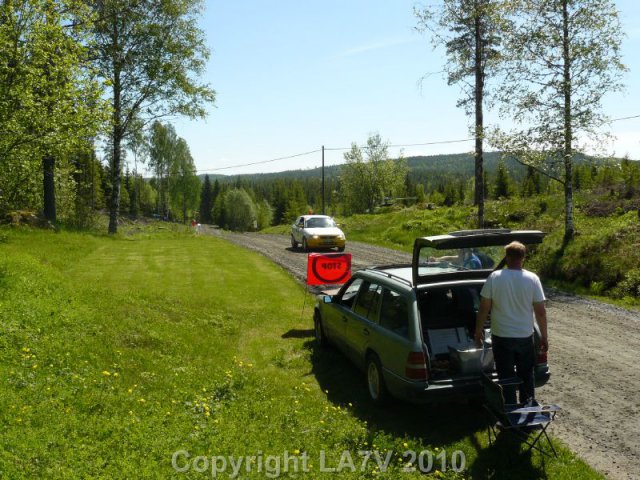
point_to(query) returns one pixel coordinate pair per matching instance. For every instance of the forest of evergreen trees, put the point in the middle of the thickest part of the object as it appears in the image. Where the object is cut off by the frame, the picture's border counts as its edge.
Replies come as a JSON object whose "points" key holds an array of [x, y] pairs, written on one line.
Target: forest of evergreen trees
{"points": [[256, 201], [440, 180]]}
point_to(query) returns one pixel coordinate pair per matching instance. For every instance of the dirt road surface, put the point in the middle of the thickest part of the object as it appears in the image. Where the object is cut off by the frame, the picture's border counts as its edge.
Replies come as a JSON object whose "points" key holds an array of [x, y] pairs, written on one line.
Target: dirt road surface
{"points": [[594, 354]]}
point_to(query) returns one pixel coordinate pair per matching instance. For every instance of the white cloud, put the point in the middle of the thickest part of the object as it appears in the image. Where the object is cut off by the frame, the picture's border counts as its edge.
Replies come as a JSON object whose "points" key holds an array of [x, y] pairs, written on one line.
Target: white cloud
{"points": [[378, 45]]}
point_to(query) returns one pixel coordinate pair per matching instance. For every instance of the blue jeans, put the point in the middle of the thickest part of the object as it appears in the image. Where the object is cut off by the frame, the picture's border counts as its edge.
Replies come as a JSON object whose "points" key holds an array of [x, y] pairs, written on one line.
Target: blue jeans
{"points": [[515, 357]]}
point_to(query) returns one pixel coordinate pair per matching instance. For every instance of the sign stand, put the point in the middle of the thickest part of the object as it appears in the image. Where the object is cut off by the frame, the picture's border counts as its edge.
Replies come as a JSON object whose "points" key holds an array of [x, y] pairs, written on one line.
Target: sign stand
{"points": [[304, 304]]}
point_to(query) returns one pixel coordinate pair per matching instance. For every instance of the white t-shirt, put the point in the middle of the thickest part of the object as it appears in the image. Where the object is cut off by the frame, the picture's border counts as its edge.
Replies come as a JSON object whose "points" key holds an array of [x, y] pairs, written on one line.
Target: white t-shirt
{"points": [[513, 293]]}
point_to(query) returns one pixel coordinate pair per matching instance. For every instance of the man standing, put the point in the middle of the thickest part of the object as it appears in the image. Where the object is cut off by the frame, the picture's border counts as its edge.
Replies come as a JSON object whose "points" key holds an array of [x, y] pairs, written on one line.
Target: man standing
{"points": [[513, 296]]}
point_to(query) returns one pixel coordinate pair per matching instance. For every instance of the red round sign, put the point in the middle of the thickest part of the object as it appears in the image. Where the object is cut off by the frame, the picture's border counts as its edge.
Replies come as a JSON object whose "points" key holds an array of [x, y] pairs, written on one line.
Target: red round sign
{"points": [[328, 269]]}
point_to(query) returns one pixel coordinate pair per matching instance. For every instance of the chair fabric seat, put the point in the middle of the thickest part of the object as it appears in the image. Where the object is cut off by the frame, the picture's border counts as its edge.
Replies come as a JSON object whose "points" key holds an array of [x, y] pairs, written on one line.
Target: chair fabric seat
{"points": [[518, 419], [527, 419]]}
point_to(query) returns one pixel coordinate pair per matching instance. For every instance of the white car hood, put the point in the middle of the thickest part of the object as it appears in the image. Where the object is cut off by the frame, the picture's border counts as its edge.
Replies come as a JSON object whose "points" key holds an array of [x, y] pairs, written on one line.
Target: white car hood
{"points": [[323, 231]]}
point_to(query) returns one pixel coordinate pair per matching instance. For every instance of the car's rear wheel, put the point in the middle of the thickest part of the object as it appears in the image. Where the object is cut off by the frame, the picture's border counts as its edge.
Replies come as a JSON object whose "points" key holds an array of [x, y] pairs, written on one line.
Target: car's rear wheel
{"points": [[321, 338], [375, 381], [294, 244]]}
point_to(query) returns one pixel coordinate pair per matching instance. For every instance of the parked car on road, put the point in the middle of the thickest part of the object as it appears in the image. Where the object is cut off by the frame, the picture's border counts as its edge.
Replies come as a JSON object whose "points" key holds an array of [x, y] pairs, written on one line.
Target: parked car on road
{"points": [[411, 327], [317, 231]]}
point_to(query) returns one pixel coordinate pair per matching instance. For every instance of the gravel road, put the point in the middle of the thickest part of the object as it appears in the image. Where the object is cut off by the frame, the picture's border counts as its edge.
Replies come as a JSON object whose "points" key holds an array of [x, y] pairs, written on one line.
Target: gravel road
{"points": [[594, 354]]}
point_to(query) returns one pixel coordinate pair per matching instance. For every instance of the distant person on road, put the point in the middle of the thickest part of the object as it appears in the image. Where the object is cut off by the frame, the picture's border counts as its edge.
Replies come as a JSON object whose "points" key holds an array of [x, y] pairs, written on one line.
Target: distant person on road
{"points": [[514, 296]]}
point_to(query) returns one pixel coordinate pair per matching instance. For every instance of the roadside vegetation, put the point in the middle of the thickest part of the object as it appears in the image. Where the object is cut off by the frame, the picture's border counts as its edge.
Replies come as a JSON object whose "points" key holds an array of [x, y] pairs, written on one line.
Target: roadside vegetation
{"points": [[116, 352], [602, 260]]}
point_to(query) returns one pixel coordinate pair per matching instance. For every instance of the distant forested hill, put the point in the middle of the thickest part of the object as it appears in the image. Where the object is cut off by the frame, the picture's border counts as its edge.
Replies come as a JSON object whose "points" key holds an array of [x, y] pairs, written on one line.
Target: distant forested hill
{"points": [[422, 169]]}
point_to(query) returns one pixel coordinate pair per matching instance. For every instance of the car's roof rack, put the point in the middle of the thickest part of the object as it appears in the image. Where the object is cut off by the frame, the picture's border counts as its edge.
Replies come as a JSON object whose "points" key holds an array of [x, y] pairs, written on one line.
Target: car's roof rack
{"points": [[380, 270]]}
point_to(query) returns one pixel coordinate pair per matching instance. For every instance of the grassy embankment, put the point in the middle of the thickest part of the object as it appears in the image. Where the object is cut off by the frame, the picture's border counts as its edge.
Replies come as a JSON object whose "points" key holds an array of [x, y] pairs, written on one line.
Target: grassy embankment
{"points": [[602, 262], [117, 352]]}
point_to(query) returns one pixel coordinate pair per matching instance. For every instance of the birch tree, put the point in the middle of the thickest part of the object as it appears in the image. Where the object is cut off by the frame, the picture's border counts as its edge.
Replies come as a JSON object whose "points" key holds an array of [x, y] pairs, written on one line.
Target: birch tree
{"points": [[369, 175], [151, 54], [565, 59], [184, 184]]}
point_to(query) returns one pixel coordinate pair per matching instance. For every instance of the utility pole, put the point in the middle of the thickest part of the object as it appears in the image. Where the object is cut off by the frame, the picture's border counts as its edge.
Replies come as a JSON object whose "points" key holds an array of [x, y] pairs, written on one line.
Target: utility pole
{"points": [[323, 180]]}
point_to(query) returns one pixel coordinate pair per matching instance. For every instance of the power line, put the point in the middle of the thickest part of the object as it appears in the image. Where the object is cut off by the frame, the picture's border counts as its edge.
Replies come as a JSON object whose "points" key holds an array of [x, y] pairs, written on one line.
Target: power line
{"points": [[442, 142], [622, 118], [328, 149], [260, 162]]}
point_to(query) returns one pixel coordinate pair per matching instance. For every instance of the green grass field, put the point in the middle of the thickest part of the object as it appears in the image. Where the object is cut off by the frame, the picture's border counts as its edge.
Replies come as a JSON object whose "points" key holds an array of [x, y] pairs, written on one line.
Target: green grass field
{"points": [[119, 355]]}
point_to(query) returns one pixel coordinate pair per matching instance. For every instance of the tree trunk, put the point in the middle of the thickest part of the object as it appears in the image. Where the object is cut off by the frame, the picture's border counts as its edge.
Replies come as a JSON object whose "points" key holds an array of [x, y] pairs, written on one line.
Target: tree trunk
{"points": [[48, 160], [184, 207], [49, 186], [479, 121], [116, 180], [116, 168], [569, 228]]}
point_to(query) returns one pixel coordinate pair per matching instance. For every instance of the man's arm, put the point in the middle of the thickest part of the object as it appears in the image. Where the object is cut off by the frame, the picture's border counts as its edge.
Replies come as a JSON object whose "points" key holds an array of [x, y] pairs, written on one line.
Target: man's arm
{"points": [[540, 312], [481, 318]]}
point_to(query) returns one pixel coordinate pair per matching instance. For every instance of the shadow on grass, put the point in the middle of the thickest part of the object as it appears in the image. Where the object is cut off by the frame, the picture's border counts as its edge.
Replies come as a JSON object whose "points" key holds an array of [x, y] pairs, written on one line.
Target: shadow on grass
{"points": [[297, 333], [438, 424], [506, 459]]}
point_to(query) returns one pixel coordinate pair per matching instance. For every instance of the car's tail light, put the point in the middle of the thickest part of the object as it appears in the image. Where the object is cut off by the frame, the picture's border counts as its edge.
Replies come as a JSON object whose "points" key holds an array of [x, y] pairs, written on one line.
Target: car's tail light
{"points": [[416, 368]]}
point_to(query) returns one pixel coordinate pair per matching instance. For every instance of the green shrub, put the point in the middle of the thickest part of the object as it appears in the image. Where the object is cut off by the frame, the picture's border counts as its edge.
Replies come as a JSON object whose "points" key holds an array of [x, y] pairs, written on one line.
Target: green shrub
{"points": [[630, 286]]}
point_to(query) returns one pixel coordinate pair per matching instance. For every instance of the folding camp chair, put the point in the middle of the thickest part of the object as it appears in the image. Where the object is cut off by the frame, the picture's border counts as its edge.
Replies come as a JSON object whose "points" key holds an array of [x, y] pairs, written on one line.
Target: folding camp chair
{"points": [[517, 419]]}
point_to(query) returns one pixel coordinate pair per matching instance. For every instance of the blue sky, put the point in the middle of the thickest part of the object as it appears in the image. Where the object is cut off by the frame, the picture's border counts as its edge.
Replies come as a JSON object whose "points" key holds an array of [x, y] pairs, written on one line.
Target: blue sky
{"points": [[292, 76]]}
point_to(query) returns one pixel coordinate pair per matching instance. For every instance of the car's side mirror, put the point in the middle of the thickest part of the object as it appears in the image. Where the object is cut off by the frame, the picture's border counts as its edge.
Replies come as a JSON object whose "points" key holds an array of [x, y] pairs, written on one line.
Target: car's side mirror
{"points": [[327, 299]]}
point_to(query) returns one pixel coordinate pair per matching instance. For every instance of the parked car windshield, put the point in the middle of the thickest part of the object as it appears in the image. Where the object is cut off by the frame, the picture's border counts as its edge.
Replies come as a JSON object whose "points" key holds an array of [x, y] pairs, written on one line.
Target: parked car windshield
{"points": [[437, 261], [320, 222]]}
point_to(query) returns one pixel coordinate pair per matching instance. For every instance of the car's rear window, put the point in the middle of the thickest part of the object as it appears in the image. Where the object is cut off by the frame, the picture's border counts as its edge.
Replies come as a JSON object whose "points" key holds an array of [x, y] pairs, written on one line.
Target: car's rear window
{"points": [[432, 261]]}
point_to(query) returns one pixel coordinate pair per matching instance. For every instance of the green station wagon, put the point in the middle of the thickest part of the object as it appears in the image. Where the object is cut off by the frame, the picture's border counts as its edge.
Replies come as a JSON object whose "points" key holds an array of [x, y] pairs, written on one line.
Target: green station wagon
{"points": [[411, 327]]}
